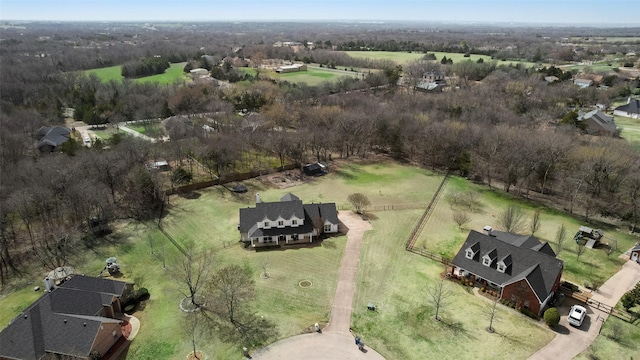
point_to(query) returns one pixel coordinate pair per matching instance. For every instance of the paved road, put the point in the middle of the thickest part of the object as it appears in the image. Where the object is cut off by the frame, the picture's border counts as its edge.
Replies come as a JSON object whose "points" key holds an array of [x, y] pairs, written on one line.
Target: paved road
{"points": [[335, 342], [570, 341]]}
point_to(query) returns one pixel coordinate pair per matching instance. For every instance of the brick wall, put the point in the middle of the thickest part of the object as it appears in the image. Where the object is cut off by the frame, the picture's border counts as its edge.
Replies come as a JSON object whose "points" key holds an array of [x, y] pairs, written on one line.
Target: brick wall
{"points": [[520, 292]]}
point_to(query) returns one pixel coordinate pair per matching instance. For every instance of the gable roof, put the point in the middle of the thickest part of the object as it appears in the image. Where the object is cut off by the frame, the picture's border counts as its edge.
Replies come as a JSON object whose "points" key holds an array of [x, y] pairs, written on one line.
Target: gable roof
{"points": [[636, 248], [64, 321], [288, 207], [601, 119], [633, 107], [52, 136], [530, 260]]}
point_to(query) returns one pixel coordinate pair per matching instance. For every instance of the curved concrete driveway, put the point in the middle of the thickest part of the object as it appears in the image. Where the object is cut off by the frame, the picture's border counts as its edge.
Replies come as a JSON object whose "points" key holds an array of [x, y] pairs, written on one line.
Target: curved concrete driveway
{"points": [[570, 341], [335, 342]]}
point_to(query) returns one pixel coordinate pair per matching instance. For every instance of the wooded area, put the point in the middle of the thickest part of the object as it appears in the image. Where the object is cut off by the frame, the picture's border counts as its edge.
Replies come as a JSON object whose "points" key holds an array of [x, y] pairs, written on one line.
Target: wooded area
{"points": [[497, 124]]}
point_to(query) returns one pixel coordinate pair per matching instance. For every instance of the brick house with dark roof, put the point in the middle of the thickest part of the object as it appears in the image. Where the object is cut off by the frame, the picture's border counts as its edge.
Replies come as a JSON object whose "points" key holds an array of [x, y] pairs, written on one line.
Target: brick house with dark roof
{"points": [[76, 319], [521, 269], [634, 255], [286, 222], [51, 138]]}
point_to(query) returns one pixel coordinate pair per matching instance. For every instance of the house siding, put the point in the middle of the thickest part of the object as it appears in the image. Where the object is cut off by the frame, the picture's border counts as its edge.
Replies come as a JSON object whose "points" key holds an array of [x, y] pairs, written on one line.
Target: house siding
{"points": [[105, 339], [522, 292]]}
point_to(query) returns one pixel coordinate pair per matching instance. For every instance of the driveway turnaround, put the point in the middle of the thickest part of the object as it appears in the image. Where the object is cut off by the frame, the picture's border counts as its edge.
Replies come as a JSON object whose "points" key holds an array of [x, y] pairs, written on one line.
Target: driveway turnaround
{"points": [[335, 342], [570, 341]]}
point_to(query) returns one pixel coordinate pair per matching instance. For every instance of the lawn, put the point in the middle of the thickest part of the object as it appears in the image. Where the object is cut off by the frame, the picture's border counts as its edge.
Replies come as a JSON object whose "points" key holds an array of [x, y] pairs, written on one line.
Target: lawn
{"points": [[442, 235], [105, 133], [152, 129], [403, 327], [630, 130], [313, 76], [403, 58], [172, 74], [627, 346]]}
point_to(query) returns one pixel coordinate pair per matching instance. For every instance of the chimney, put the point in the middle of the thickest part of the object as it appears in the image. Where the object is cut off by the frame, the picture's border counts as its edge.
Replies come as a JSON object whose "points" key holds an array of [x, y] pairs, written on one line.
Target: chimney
{"points": [[488, 230], [48, 284], [628, 100], [258, 200]]}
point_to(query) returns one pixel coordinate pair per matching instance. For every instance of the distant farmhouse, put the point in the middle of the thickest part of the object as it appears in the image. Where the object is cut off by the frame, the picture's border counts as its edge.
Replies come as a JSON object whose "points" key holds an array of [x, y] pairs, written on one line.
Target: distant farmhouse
{"points": [[521, 269], [431, 80], [77, 320], [598, 123], [51, 138], [631, 109], [287, 43], [291, 68], [286, 222]]}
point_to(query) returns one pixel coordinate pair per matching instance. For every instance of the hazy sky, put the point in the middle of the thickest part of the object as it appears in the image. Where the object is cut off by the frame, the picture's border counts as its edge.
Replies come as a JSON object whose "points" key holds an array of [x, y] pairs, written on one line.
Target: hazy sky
{"points": [[574, 12]]}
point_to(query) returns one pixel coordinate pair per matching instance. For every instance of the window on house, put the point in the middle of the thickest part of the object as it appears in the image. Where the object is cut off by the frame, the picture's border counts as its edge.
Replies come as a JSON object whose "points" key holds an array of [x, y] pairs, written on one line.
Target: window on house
{"points": [[268, 239], [280, 223], [327, 228], [266, 224], [526, 304], [281, 238], [501, 267], [294, 222], [469, 254], [486, 261]]}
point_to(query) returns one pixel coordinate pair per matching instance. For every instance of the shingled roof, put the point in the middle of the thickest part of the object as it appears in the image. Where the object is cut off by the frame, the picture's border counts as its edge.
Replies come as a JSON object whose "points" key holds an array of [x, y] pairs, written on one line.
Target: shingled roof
{"points": [[603, 120], [52, 136], [64, 321], [530, 259], [632, 107], [288, 207]]}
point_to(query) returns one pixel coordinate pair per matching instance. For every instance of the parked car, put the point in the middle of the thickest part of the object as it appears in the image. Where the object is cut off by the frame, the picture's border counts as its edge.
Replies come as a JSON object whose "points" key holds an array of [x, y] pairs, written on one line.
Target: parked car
{"points": [[87, 140], [577, 315]]}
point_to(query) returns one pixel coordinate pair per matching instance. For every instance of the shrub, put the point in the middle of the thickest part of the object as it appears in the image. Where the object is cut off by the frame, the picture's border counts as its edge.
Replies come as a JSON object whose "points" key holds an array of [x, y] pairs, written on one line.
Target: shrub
{"points": [[142, 294], [529, 313], [552, 317]]}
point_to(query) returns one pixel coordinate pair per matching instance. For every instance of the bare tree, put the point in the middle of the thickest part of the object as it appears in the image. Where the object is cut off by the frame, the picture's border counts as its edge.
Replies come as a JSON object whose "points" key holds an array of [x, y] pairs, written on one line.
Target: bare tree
{"points": [[511, 219], [534, 224], [560, 236], [580, 249], [492, 311], [359, 201], [461, 218], [192, 270], [265, 264], [233, 288], [439, 293]]}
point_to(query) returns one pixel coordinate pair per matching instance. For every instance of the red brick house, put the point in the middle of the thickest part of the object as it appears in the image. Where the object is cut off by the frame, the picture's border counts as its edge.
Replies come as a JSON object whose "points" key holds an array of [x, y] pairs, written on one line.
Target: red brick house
{"points": [[521, 269], [78, 320]]}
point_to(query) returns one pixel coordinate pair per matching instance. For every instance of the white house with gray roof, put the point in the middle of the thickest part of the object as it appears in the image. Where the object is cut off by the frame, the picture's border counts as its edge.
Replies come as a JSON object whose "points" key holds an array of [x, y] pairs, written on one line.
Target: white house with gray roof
{"points": [[631, 109], [286, 222]]}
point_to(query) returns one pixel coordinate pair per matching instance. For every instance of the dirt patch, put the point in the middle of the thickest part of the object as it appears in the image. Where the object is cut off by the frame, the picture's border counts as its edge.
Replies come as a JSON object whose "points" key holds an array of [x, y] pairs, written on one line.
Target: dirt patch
{"points": [[285, 179]]}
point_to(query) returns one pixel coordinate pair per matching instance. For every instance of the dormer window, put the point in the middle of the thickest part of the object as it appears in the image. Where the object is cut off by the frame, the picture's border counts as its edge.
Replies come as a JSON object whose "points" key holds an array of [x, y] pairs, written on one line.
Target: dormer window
{"points": [[280, 223], [489, 257], [266, 224], [472, 250], [469, 254], [501, 267], [294, 222]]}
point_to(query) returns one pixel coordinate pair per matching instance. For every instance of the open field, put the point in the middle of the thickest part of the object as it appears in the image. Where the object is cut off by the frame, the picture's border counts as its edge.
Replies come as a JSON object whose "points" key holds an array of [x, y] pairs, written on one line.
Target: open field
{"points": [[172, 74], [313, 76], [152, 129], [604, 347], [390, 277], [403, 327], [403, 58], [442, 235], [630, 130]]}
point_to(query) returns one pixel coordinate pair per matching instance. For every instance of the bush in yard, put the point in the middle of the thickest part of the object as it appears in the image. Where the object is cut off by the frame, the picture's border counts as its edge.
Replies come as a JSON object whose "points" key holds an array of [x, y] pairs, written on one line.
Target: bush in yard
{"points": [[529, 313], [142, 294], [551, 317]]}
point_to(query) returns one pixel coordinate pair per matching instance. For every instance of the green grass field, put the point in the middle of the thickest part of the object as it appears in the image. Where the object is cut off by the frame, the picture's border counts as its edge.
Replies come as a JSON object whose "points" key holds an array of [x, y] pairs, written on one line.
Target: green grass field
{"points": [[442, 235], [152, 129], [390, 277], [172, 74], [604, 347], [403, 327], [403, 58], [630, 130], [311, 77]]}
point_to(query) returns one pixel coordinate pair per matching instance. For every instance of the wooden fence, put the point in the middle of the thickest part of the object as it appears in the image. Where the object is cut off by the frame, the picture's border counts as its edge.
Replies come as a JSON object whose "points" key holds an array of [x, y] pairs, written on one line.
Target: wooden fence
{"points": [[227, 179], [622, 315], [427, 213]]}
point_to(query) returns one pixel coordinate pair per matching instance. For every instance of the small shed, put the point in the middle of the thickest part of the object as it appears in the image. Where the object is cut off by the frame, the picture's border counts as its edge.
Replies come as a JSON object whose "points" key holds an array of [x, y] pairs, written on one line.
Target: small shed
{"points": [[314, 169]]}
